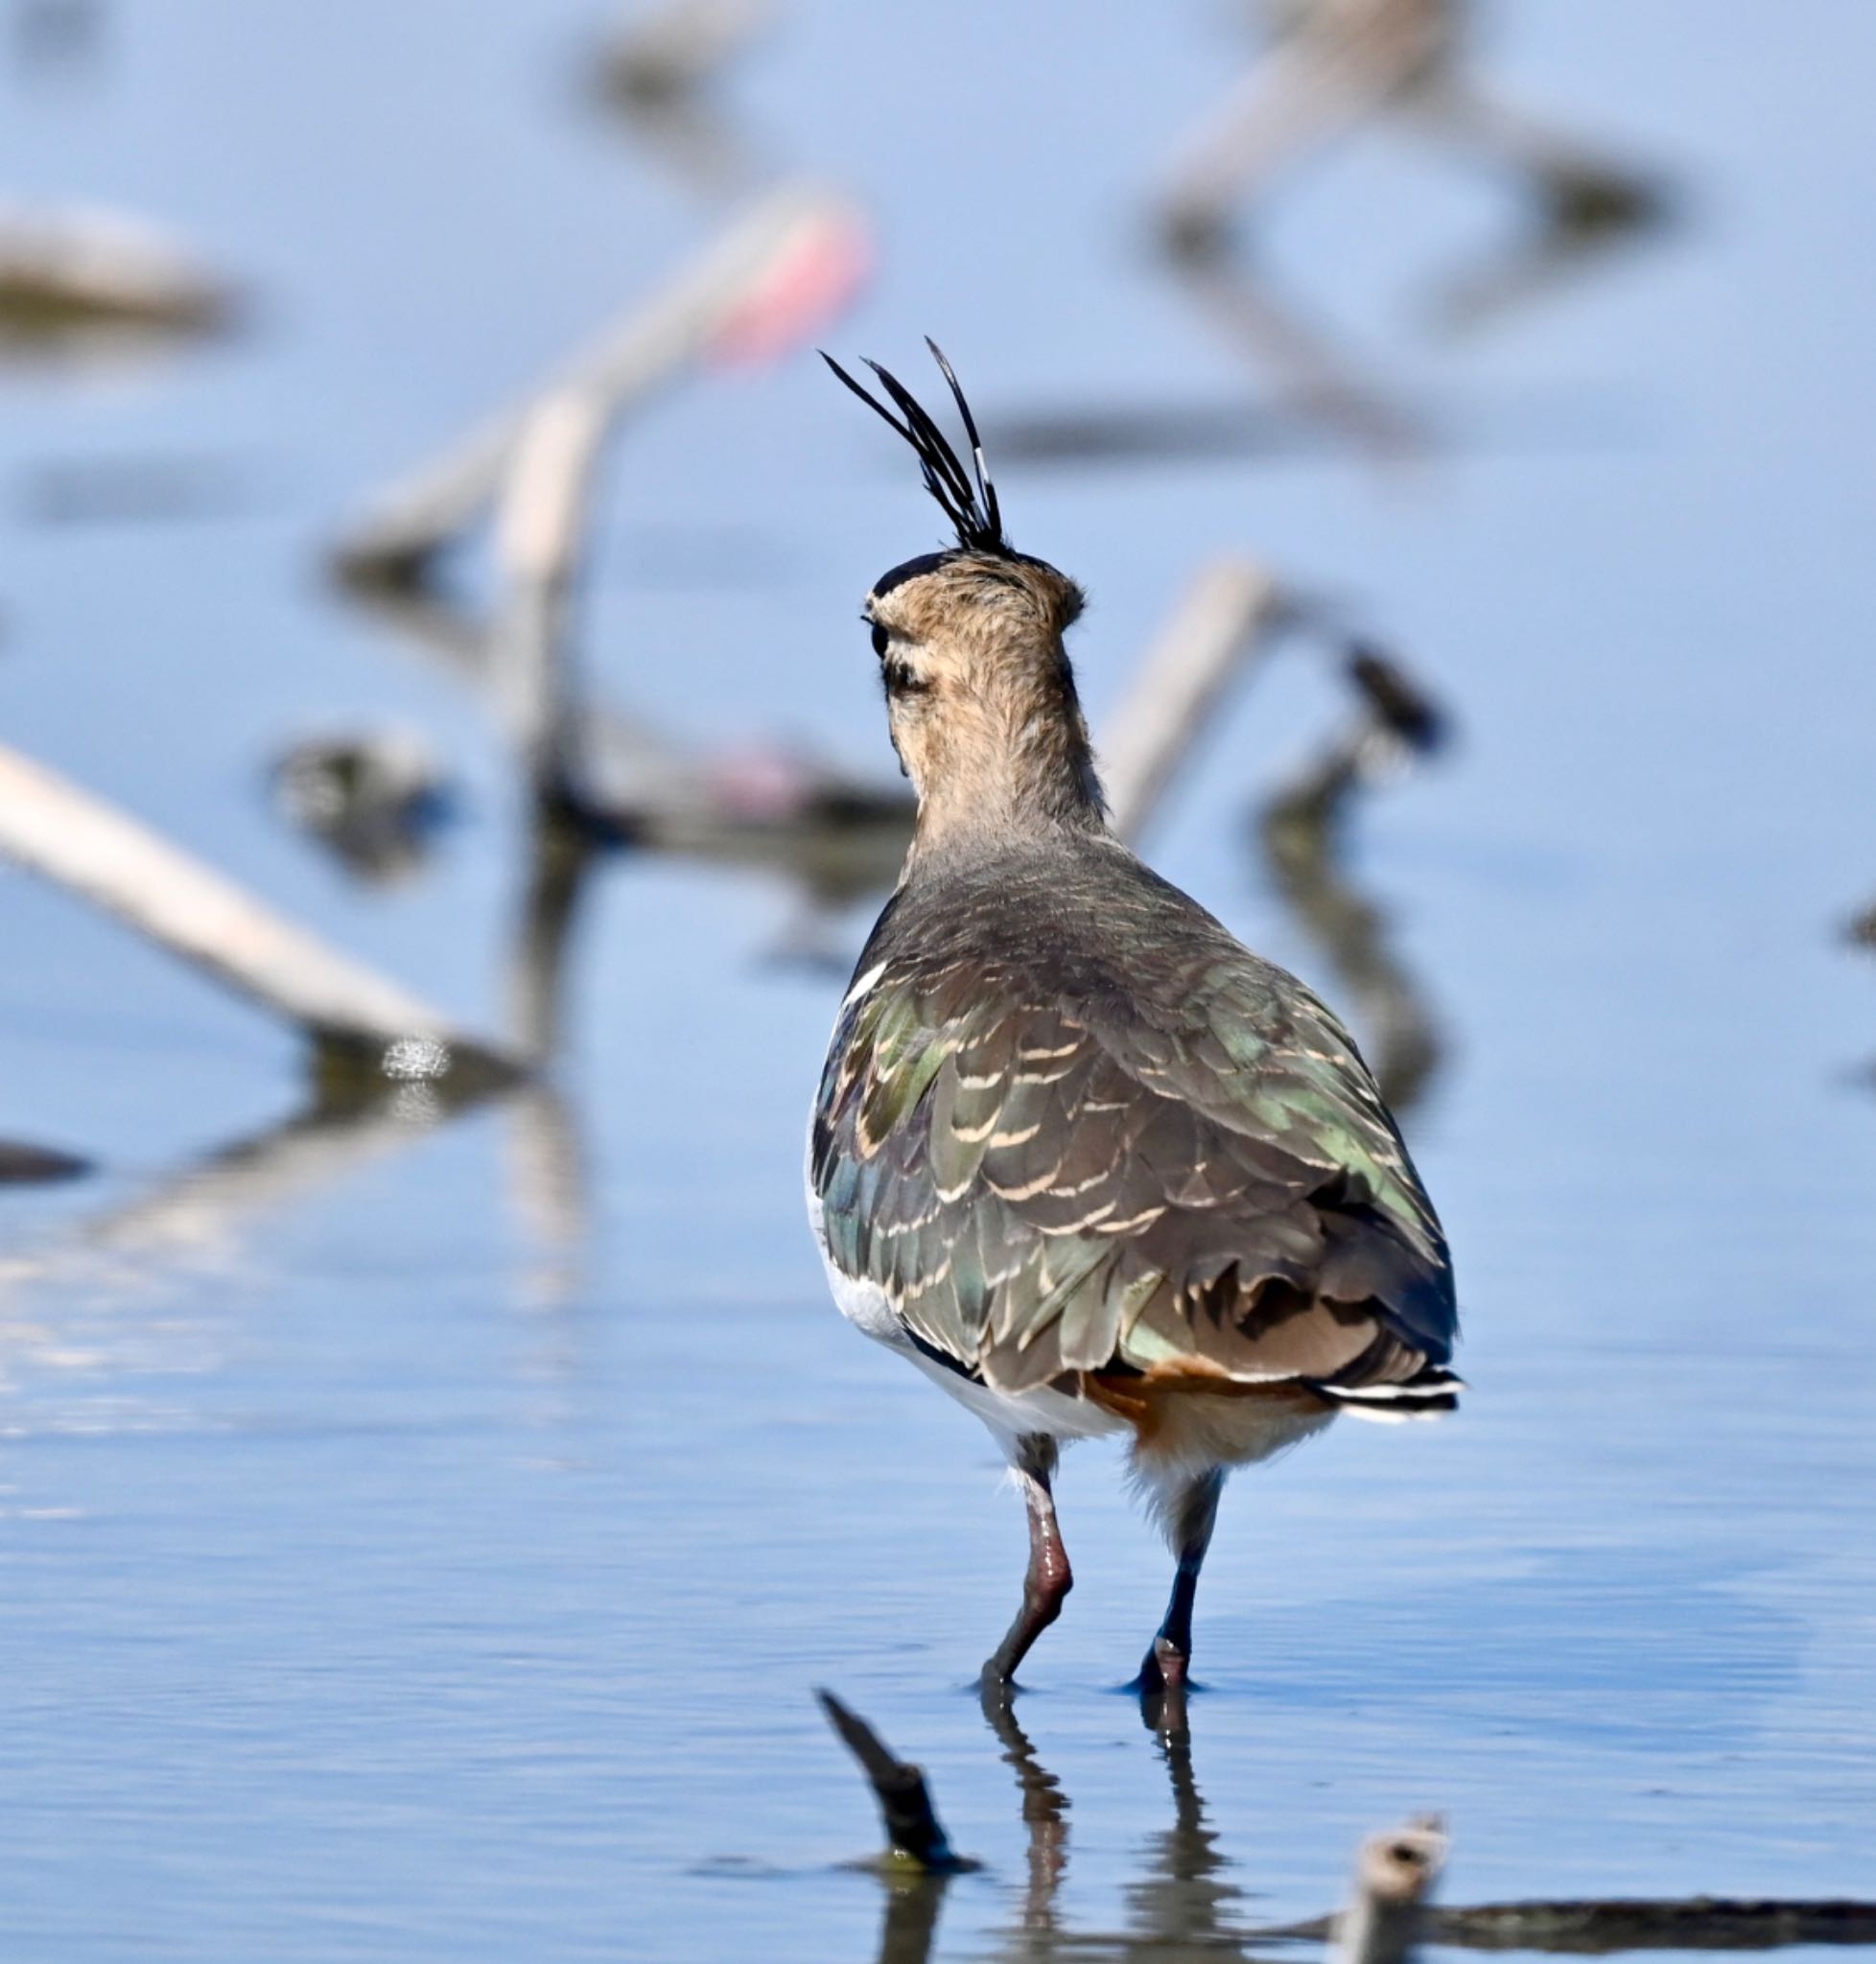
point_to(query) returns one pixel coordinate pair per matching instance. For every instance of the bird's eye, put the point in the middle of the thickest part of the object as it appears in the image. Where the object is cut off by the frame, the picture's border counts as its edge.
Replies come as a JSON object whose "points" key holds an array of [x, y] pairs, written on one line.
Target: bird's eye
{"points": [[902, 679], [879, 640]]}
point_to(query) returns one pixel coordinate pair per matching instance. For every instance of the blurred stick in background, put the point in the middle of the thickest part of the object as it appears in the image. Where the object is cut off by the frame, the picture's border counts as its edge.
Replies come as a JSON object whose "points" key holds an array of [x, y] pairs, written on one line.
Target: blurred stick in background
{"points": [[541, 529], [799, 244], [656, 72], [1202, 646], [64, 274], [51, 826], [1335, 65], [1305, 838], [1332, 64], [543, 524], [662, 53]]}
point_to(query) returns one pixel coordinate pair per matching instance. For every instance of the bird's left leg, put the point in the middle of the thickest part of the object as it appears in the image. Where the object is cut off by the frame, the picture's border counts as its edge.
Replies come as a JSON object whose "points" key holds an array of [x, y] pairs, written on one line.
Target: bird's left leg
{"points": [[1049, 1579], [1191, 1513]]}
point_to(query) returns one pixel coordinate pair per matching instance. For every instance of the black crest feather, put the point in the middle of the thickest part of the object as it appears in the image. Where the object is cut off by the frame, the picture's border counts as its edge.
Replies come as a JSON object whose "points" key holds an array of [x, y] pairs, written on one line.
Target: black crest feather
{"points": [[968, 499]]}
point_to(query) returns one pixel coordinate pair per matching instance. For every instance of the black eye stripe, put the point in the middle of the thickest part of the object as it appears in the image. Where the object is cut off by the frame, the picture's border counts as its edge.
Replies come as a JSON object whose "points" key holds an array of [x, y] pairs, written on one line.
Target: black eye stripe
{"points": [[901, 679]]}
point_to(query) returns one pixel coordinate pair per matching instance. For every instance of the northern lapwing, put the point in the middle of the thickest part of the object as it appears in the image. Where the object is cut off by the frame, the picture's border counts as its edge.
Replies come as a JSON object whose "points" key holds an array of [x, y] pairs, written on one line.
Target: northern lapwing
{"points": [[1079, 1154]]}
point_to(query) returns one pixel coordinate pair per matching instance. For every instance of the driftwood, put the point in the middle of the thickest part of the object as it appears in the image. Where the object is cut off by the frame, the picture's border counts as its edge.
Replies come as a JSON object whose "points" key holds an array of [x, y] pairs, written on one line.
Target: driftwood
{"points": [[914, 1833], [65, 271], [51, 826], [655, 74], [1183, 1903], [540, 529], [1604, 1925], [23, 1164], [1394, 1875], [1199, 649], [668, 52], [1333, 66], [1303, 830], [408, 523]]}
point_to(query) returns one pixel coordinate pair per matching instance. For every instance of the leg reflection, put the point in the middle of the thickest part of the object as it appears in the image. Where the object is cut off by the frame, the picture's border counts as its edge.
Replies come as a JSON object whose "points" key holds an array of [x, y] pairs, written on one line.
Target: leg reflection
{"points": [[1180, 1904], [1044, 1809]]}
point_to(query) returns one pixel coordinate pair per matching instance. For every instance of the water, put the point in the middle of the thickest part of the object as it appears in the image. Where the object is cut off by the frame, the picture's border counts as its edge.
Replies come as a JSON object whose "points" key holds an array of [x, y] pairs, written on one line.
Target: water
{"points": [[386, 1577]]}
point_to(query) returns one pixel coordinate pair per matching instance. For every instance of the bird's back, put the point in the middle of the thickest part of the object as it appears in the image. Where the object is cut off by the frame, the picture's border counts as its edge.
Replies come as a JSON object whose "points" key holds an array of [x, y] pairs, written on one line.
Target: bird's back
{"points": [[1070, 1127]]}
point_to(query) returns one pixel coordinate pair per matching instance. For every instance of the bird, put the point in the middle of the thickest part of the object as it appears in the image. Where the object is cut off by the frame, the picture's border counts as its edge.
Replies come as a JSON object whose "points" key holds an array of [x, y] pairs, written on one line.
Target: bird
{"points": [[1077, 1154]]}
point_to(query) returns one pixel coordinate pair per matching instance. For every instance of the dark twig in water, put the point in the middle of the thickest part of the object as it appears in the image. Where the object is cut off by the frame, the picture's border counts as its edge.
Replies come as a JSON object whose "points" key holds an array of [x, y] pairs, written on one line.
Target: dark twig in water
{"points": [[656, 72], [28, 1165], [1604, 1925], [675, 50], [914, 1833]]}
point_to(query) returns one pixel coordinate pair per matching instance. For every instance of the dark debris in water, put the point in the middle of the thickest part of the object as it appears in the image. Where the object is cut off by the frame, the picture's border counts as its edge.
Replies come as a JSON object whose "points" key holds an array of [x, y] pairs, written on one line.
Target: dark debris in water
{"points": [[1692, 1922], [29, 1165], [914, 1834]]}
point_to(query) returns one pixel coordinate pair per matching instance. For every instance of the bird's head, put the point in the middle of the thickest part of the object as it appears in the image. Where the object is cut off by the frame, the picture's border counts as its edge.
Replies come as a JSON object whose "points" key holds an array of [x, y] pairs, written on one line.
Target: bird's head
{"points": [[980, 694]]}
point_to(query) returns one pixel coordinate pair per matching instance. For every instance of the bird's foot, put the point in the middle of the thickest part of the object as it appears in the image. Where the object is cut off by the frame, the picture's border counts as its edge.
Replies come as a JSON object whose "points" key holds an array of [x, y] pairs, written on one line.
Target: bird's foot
{"points": [[1162, 1684], [1165, 1668], [997, 1683]]}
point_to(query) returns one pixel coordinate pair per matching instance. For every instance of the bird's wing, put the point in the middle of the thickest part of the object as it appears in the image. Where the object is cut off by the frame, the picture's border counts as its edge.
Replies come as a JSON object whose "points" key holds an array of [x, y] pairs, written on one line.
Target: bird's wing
{"points": [[1042, 1182]]}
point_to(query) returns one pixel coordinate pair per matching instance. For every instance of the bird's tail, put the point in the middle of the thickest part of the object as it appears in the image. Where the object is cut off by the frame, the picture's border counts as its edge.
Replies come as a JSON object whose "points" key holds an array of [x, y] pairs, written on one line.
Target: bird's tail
{"points": [[1431, 1391]]}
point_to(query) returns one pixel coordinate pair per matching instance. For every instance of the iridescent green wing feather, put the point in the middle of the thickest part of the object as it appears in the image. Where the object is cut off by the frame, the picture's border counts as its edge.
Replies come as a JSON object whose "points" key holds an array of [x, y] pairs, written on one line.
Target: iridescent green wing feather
{"points": [[1044, 1181]]}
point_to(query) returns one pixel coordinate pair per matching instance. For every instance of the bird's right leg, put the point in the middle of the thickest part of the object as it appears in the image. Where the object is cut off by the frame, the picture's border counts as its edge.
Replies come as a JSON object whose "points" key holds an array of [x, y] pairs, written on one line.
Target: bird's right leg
{"points": [[1048, 1578], [1190, 1517]]}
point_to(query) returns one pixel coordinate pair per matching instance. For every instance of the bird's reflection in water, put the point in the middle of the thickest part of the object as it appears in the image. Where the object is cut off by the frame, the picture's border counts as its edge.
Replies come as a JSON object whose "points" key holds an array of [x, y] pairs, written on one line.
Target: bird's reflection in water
{"points": [[1181, 1899], [1180, 1906], [1045, 1813]]}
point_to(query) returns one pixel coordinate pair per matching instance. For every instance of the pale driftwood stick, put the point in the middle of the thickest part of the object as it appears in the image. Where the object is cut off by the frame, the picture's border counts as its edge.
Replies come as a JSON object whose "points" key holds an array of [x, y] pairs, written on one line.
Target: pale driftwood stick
{"points": [[53, 828], [1395, 1874], [1211, 633], [540, 529], [416, 515], [1332, 65], [1297, 97], [73, 267]]}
